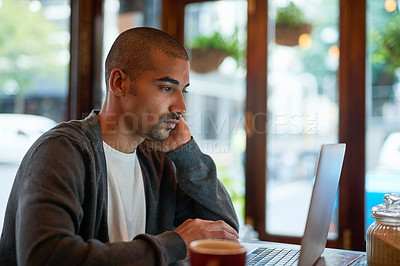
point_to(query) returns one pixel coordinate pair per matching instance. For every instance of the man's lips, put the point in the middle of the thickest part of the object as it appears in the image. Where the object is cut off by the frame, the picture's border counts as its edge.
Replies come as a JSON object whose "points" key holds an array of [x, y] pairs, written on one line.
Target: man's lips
{"points": [[171, 123]]}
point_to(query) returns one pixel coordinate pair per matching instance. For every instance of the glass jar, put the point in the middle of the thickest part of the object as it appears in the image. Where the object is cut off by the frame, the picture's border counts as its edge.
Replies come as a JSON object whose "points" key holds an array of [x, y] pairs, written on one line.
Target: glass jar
{"points": [[383, 235]]}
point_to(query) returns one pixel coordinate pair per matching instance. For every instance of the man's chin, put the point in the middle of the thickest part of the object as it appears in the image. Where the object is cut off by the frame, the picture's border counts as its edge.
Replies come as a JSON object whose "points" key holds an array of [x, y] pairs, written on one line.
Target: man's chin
{"points": [[158, 134], [158, 137]]}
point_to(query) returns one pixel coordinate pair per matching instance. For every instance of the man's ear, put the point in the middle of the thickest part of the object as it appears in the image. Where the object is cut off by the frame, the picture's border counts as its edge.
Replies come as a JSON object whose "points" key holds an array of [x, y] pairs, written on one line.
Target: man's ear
{"points": [[116, 82]]}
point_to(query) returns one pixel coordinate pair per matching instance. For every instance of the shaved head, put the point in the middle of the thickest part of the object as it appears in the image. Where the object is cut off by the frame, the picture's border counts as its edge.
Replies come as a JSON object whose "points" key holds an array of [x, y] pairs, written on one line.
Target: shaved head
{"points": [[132, 51]]}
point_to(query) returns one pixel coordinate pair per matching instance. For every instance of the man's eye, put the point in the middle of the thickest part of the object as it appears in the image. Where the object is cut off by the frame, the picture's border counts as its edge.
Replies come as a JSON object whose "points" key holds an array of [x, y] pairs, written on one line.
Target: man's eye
{"points": [[185, 91], [166, 88]]}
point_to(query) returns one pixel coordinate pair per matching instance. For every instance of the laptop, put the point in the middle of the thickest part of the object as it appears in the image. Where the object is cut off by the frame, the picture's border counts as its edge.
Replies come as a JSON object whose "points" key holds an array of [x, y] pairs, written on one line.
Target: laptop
{"points": [[327, 175]]}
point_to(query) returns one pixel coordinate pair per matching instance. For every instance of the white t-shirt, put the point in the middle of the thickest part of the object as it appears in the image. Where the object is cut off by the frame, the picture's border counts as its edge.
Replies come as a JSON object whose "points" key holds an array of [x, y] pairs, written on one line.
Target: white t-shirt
{"points": [[126, 197]]}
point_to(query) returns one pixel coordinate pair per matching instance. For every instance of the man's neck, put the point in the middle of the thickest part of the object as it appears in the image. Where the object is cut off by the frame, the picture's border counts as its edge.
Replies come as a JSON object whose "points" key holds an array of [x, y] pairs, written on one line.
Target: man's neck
{"points": [[113, 135]]}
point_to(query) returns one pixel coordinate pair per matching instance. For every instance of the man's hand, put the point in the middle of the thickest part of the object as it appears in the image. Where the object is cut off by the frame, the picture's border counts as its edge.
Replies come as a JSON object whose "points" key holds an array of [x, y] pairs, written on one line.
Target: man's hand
{"points": [[178, 137], [195, 229]]}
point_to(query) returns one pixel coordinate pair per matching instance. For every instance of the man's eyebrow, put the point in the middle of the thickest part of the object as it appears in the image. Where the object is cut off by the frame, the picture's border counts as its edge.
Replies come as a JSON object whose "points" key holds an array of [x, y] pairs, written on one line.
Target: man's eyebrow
{"points": [[171, 80]]}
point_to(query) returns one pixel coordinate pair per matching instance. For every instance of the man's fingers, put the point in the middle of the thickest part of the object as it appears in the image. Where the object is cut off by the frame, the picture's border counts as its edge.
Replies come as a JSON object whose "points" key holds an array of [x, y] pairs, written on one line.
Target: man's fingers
{"points": [[222, 234], [194, 229], [185, 223], [221, 225]]}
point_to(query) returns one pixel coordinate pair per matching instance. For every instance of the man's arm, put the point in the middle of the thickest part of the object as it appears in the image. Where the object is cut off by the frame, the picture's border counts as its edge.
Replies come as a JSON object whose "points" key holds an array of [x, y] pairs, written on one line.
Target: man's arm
{"points": [[200, 193], [197, 177], [58, 214]]}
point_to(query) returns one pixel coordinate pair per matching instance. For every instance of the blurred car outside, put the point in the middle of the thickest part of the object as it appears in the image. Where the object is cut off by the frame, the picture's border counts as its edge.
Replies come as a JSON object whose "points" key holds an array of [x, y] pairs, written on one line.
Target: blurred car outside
{"points": [[18, 132], [389, 157]]}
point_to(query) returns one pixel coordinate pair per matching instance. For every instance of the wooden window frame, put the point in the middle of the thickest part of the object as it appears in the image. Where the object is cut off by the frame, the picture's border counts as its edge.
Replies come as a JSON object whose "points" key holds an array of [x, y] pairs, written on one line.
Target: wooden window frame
{"points": [[351, 76], [86, 50]]}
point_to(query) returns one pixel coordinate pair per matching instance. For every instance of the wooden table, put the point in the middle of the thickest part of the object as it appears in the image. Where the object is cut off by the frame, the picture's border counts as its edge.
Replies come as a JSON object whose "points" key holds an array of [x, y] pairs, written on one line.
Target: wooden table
{"points": [[330, 256]]}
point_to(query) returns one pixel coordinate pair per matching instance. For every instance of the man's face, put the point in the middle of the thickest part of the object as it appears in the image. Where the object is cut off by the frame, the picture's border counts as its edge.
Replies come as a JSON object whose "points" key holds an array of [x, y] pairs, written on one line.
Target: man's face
{"points": [[154, 102]]}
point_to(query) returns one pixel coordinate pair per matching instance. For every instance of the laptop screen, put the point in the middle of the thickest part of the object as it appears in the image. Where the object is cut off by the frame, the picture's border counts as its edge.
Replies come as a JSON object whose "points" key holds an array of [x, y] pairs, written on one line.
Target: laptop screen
{"points": [[327, 175]]}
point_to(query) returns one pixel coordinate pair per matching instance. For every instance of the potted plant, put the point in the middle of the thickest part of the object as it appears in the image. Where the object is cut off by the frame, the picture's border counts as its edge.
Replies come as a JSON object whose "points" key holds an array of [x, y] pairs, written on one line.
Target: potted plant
{"points": [[290, 24], [388, 44], [208, 52]]}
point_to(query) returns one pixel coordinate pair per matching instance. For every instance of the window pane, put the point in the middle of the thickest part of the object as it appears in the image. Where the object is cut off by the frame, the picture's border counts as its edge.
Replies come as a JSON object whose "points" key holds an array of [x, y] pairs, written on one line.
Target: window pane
{"points": [[383, 102], [215, 34], [34, 67], [303, 57]]}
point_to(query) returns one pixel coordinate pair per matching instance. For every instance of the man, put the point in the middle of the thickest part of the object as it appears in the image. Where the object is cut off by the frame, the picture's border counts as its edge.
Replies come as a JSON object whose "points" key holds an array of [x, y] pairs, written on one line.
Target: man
{"points": [[127, 185]]}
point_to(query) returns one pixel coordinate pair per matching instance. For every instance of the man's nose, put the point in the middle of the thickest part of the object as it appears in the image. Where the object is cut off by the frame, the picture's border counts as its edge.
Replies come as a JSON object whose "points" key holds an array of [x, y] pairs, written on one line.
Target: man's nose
{"points": [[178, 106]]}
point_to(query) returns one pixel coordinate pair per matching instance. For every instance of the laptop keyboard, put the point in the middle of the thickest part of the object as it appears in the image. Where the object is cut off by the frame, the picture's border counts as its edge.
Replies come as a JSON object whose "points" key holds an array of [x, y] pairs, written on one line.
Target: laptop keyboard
{"points": [[272, 256]]}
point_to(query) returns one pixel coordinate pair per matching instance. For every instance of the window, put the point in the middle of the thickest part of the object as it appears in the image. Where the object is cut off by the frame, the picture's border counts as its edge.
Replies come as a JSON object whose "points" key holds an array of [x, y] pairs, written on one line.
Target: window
{"points": [[382, 102], [302, 107], [34, 68], [215, 37], [349, 24]]}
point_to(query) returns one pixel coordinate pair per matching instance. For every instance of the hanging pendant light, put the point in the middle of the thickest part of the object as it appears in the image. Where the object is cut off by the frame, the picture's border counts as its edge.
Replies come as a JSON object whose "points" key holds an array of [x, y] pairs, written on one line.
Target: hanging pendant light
{"points": [[390, 5]]}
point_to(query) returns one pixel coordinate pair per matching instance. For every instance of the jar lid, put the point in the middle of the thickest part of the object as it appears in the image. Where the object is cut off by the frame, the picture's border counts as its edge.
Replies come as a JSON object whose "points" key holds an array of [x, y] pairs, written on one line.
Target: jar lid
{"points": [[391, 207]]}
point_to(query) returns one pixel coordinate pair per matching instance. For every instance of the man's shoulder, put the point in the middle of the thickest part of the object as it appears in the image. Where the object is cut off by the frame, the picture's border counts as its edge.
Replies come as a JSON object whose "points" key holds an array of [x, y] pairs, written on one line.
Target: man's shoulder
{"points": [[80, 131]]}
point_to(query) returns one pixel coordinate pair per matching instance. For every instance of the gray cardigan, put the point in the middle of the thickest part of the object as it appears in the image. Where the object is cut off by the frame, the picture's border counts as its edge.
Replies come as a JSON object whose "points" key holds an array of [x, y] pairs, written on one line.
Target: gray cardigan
{"points": [[57, 210]]}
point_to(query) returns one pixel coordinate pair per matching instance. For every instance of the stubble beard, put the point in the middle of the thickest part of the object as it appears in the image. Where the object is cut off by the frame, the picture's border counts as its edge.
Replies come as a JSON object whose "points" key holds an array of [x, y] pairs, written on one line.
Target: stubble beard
{"points": [[159, 131]]}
